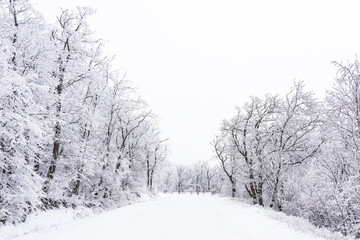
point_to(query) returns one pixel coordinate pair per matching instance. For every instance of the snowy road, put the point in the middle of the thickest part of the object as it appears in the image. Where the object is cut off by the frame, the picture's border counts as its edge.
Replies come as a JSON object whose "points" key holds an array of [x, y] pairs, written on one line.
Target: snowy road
{"points": [[175, 217]]}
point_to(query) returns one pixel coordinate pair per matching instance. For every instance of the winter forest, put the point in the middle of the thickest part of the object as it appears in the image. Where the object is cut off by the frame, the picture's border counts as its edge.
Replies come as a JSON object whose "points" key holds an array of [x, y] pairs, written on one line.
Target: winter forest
{"points": [[74, 132]]}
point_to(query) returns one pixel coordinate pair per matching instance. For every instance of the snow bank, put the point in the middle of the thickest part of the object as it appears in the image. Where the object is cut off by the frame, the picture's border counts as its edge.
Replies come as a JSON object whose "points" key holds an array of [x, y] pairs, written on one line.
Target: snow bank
{"points": [[296, 223], [44, 220], [52, 219]]}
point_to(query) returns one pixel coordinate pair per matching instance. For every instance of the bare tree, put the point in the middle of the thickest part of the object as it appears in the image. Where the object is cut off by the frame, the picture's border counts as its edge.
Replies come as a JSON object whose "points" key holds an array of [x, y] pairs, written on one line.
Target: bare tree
{"points": [[156, 154], [294, 140], [210, 174], [249, 132], [180, 178], [227, 157]]}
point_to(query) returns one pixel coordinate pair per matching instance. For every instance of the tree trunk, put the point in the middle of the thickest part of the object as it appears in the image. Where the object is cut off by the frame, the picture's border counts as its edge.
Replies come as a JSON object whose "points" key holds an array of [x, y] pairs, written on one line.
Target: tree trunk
{"points": [[148, 172], [252, 185], [151, 184], [259, 193], [14, 40], [78, 181], [233, 188], [151, 176], [274, 194], [57, 130]]}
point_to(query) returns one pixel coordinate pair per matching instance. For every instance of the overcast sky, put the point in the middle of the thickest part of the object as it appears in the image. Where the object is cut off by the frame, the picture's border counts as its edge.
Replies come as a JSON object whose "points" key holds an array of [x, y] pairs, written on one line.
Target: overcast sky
{"points": [[193, 61]]}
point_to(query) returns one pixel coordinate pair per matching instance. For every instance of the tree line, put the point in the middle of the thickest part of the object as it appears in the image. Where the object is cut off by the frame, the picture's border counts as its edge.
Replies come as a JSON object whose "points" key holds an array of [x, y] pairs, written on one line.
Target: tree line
{"points": [[297, 154], [200, 177], [73, 131]]}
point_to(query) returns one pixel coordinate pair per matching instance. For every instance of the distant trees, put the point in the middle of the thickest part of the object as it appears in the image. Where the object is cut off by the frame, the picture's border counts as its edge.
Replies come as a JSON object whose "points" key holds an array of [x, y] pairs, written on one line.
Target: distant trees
{"points": [[180, 178], [72, 130], [197, 178]]}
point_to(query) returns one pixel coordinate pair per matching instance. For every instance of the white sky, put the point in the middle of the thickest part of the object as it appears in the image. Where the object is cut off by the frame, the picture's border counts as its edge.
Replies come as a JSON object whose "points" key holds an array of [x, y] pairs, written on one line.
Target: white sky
{"points": [[194, 60]]}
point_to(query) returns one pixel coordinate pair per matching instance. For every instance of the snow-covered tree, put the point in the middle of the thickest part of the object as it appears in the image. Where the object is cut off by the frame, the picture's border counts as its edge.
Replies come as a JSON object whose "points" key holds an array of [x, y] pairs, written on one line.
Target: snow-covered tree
{"points": [[72, 130], [22, 130], [227, 156], [334, 201]]}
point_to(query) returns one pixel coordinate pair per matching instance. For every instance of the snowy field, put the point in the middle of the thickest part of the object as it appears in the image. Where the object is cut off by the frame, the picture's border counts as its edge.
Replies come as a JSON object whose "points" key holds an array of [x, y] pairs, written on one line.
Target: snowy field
{"points": [[170, 217]]}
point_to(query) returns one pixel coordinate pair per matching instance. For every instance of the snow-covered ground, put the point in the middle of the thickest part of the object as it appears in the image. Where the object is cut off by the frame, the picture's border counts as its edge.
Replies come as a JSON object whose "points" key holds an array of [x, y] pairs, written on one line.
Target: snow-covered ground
{"points": [[171, 217]]}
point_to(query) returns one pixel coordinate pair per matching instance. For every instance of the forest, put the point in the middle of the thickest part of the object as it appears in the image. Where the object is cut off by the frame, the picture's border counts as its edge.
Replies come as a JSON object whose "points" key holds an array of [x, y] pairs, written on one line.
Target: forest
{"points": [[75, 132], [73, 129]]}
